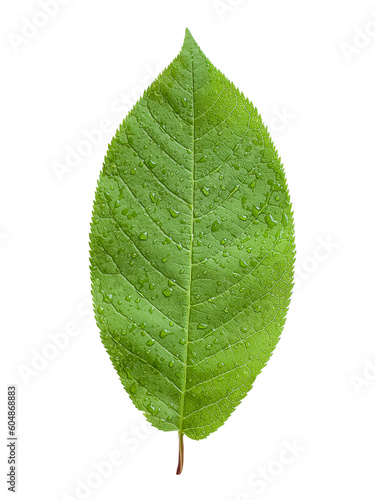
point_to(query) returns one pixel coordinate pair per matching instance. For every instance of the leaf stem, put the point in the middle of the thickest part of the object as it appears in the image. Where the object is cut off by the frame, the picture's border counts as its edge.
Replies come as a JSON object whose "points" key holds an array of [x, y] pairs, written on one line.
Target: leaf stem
{"points": [[180, 465]]}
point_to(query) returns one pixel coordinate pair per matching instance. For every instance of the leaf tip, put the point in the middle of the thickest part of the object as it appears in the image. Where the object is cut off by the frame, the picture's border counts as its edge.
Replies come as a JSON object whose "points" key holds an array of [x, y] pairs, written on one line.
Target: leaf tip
{"points": [[189, 41]]}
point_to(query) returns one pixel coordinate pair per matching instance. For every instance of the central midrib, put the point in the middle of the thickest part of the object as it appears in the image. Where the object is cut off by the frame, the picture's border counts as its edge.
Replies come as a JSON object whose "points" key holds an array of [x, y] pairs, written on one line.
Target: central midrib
{"points": [[191, 249]]}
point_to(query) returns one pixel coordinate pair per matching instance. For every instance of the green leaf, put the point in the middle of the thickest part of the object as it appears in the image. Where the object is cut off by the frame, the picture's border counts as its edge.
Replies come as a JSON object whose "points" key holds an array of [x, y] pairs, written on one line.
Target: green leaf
{"points": [[192, 248]]}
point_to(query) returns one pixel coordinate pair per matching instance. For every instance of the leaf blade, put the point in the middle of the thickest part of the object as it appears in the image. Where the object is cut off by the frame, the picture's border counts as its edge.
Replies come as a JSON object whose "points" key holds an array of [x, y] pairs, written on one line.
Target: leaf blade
{"points": [[179, 281]]}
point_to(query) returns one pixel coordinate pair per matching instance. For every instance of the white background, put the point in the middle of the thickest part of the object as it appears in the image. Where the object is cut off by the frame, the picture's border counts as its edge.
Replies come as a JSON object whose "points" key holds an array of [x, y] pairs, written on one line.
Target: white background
{"points": [[309, 69]]}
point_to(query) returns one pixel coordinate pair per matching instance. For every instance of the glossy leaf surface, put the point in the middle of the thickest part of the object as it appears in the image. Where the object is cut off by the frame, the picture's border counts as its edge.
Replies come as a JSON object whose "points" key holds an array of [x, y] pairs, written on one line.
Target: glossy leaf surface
{"points": [[192, 247]]}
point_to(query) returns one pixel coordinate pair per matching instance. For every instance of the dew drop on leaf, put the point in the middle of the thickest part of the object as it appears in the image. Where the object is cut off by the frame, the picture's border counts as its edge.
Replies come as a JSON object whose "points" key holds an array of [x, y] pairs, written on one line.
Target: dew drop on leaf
{"points": [[243, 264], [174, 213], [271, 222]]}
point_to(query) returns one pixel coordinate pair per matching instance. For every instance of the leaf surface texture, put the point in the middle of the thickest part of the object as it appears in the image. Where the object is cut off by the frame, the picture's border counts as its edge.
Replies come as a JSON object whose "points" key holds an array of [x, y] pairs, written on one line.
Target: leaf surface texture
{"points": [[192, 247]]}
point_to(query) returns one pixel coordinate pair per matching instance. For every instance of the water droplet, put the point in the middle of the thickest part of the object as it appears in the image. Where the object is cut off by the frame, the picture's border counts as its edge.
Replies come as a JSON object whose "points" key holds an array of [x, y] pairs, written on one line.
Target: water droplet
{"points": [[167, 292], [151, 163], [143, 236], [173, 212], [223, 241], [152, 409], [257, 307], [153, 197], [202, 326], [271, 222], [171, 364], [182, 341], [164, 333], [205, 190], [164, 259], [215, 226], [242, 217], [202, 159], [243, 263]]}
